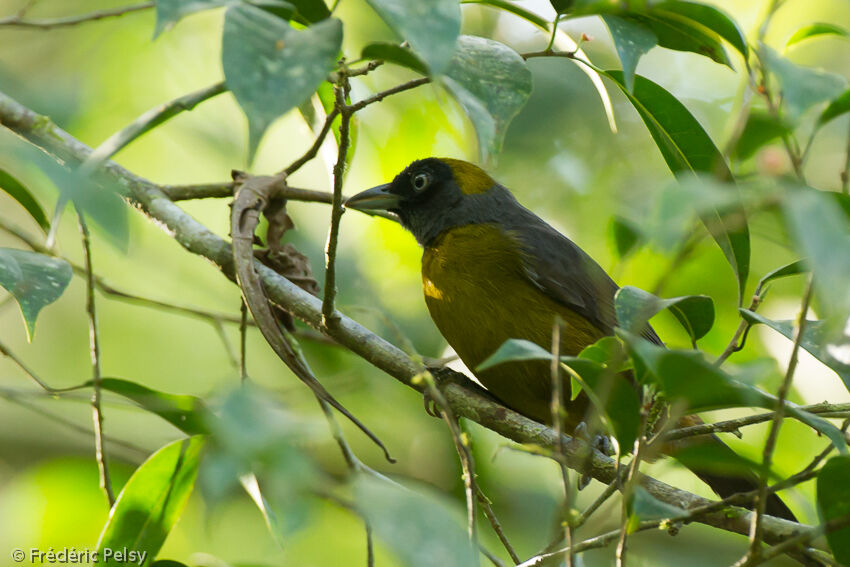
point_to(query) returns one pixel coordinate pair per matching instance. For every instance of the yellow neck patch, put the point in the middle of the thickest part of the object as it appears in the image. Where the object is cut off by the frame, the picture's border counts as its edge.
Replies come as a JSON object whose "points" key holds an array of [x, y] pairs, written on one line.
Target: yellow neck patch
{"points": [[470, 178]]}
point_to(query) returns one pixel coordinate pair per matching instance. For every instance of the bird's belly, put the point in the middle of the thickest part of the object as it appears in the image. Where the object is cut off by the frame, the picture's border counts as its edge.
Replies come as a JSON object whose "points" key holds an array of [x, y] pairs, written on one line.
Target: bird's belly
{"points": [[479, 297]]}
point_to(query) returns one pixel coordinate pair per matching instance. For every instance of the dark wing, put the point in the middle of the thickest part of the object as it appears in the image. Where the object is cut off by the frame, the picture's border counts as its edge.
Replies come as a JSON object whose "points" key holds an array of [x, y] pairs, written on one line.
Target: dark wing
{"points": [[565, 273]]}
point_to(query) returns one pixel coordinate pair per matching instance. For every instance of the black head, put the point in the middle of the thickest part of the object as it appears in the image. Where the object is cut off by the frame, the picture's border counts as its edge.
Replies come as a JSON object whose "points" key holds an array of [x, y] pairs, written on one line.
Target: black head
{"points": [[429, 195]]}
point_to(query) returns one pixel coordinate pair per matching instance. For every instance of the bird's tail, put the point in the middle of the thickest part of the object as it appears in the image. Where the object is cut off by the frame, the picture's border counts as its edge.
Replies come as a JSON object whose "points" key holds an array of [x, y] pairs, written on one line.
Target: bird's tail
{"points": [[716, 464]]}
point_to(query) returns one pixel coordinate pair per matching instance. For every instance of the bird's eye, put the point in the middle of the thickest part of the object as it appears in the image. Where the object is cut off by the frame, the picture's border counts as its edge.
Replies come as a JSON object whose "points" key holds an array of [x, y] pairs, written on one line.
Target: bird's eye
{"points": [[420, 181]]}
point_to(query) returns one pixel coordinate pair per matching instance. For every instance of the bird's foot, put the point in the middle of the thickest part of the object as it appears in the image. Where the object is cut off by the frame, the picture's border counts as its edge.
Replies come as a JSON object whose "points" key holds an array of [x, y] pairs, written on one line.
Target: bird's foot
{"points": [[600, 442], [442, 376]]}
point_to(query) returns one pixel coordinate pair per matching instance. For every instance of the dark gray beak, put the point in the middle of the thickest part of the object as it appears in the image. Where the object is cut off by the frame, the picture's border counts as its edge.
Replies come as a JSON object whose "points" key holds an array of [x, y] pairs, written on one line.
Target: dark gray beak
{"points": [[375, 199]]}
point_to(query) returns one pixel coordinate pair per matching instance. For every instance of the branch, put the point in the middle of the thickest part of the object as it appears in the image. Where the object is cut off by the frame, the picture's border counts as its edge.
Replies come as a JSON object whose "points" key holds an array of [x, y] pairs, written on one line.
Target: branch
{"points": [[19, 20], [465, 402]]}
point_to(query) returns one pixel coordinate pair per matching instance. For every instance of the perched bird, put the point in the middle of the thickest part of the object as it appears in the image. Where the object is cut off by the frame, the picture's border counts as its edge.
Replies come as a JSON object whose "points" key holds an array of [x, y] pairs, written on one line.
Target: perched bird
{"points": [[492, 270]]}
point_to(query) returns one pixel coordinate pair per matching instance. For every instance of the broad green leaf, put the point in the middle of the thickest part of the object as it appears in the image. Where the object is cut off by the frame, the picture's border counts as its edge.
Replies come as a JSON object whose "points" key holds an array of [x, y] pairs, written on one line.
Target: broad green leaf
{"points": [[153, 499], [836, 108], [761, 128], [422, 531], [822, 236], [682, 34], [801, 87], [605, 351], [562, 6], [708, 16], [835, 354], [270, 67], [632, 39], [814, 30], [687, 376], [169, 12], [833, 495], [627, 236], [687, 148], [492, 83], [187, 413], [168, 563], [613, 396], [636, 307], [513, 9], [431, 28], [394, 53], [22, 195], [515, 350], [792, 269], [257, 443], [34, 279]]}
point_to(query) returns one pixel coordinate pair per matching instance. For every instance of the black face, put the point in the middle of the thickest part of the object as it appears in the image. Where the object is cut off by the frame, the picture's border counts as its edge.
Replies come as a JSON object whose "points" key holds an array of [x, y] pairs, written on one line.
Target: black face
{"points": [[426, 182], [427, 199]]}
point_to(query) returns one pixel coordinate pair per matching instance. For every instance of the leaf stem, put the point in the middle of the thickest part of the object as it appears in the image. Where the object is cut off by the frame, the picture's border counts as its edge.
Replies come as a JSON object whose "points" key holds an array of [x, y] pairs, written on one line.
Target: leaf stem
{"points": [[19, 20]]}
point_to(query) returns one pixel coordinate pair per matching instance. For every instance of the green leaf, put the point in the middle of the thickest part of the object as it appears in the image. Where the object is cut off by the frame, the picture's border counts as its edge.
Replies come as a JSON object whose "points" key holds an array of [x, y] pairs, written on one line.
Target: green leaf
{"points": [[431, 28], [513, 9], [515, 350], [253, 435], [394, 53], [34, 279], [833, 495], [801, 87], [632, 39], [792, 269], [687, 148], [168, 563], [187, 413], [627, 236], [492, 83], [152, 500], [835, 354], [710, 17], [836, 108], [761, 128], [636, 307], [270, 67], [169, 12], [312, 10], [22, 195], [814, 30], [682, 34], [687, 376], [613, 396], [422, 531], [822, 235]]}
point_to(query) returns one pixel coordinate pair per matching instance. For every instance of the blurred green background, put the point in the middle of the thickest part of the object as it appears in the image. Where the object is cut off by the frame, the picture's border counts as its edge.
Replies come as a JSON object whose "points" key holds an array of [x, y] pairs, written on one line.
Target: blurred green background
{"points": [[561, 160]]}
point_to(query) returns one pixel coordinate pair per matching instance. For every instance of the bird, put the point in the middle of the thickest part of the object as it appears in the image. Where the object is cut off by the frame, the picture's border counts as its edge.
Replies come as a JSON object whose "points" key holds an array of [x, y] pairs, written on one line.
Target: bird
{"points": [[492, 270]]}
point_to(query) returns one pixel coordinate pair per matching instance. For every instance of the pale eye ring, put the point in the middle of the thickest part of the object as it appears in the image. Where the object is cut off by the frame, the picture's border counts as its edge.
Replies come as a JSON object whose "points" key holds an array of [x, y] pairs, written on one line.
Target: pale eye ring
{"points": [[420, 181]]}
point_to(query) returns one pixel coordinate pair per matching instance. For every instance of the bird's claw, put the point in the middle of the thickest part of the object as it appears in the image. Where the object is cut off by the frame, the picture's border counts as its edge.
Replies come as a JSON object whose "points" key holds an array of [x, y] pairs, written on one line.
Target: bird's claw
{"points": [[444, 375], [600, 442]]}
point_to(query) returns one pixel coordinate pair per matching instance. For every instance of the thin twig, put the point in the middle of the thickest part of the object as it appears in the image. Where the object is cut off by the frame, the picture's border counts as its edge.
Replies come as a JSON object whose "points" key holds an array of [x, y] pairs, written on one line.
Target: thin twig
{"points": [[497, 526], [243, 342], [97, 413], [8, 353], [377, 97], [317, 144], [555, 405], [845, 175], [18, 20], [631, 479], [824, 409], [753, 554], [328, 309]]}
